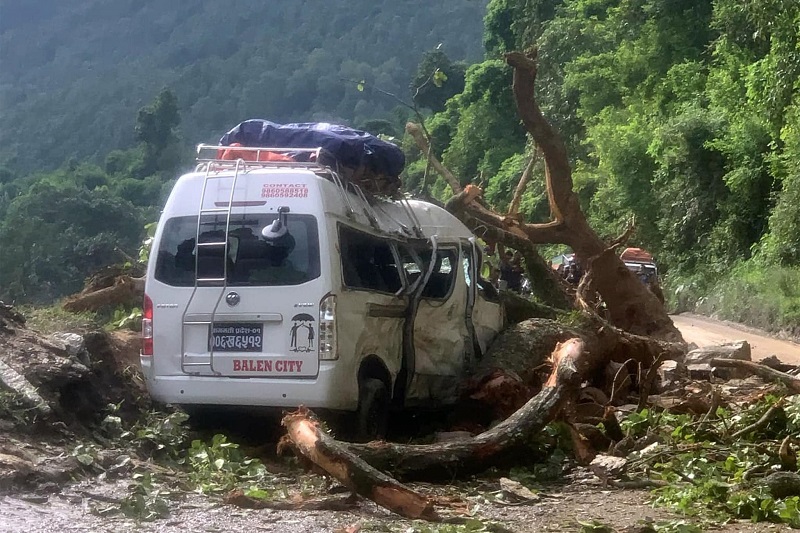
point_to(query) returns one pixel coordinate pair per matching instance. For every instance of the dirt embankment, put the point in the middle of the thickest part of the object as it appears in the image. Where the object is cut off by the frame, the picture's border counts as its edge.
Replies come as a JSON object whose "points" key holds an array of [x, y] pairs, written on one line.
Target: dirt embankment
{"points": [[54, 391]]}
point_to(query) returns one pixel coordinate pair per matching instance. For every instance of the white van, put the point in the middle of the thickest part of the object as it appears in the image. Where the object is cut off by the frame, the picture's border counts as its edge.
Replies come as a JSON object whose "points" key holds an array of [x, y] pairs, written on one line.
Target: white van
{"points": [[276, 284]]}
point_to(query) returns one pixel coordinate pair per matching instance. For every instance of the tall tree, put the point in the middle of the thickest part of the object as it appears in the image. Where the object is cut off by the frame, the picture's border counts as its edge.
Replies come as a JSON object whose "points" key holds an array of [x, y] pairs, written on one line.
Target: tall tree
{"points": [[156, 126]]}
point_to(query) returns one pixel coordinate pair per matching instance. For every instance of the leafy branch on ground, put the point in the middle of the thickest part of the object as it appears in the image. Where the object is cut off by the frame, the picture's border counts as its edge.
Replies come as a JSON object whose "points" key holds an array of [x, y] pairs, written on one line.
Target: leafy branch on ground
{"points": [[712, 471]]}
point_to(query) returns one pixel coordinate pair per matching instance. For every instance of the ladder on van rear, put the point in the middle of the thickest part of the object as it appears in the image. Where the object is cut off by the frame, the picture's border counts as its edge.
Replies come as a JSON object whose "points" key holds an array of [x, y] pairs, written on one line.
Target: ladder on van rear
{"points": [[186, 366]]}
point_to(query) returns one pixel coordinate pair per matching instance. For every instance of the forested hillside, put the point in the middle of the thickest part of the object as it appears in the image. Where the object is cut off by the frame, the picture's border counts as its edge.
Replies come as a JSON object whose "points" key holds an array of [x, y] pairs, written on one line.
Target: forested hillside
{"points": [[682, 114], [74, 73]]}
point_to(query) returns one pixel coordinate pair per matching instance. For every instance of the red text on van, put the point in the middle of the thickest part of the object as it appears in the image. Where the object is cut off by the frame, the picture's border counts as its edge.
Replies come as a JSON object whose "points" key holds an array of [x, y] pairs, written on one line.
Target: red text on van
{"points": [[267, 365]]}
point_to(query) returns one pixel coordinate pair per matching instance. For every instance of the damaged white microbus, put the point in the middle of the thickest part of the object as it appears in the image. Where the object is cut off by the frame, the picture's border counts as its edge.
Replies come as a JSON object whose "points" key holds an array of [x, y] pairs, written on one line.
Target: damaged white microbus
{"points": [[276, 284]]}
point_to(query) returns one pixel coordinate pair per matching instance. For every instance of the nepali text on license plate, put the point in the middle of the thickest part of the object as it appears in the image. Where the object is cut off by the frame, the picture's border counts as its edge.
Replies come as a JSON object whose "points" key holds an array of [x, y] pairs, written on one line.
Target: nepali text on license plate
{"points": [[236, 337]]}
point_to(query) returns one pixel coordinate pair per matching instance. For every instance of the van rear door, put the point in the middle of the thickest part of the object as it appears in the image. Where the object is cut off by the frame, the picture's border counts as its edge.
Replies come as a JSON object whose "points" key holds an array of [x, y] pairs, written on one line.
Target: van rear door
{"points": [[246, 307]]}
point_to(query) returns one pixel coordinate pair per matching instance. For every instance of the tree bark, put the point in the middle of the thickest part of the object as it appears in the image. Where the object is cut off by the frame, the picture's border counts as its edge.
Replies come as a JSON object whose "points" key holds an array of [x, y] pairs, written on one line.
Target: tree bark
{"points": [[126, 291], [332, 456], [513, 208]]}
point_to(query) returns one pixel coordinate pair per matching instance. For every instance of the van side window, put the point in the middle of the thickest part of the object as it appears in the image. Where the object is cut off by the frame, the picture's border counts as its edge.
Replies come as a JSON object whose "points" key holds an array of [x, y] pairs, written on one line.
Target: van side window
{"points": [[444, 272], [485, 288], [368, 262], [444, 275]]}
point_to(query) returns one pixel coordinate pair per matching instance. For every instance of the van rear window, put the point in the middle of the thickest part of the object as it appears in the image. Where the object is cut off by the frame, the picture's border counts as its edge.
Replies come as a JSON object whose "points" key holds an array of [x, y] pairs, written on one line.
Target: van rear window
{"points": [[250, 260]]}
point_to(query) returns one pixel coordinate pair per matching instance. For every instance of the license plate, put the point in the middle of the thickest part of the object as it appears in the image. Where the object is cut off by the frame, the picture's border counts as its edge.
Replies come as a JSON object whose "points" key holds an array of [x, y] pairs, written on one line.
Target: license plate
{"points": [[236, 337]]}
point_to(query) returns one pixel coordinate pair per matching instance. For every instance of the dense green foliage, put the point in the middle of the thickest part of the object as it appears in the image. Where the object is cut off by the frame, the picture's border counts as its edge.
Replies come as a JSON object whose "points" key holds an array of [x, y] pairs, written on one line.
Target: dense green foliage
{"points": [[682, 113], [712, 471], [74, 73], [57, 228], [74, 76]]}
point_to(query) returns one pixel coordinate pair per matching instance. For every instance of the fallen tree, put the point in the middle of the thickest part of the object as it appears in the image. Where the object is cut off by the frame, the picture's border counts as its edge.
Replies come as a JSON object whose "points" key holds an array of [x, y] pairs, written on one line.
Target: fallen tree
{"points": [[579, 358], [768, 374], [125, 291], [631, 306], [112, 287], [643, 337], [355, 465]]}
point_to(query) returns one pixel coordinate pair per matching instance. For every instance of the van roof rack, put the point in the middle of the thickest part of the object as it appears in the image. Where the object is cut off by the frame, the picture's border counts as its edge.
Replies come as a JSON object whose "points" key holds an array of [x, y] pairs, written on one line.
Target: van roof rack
{"points": [[318, 160], [210, 153]]}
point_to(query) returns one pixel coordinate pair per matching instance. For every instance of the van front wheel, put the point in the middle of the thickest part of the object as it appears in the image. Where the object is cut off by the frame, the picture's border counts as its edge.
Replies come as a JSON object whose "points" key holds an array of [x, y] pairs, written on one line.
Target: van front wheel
{"points": [[372, 417]]}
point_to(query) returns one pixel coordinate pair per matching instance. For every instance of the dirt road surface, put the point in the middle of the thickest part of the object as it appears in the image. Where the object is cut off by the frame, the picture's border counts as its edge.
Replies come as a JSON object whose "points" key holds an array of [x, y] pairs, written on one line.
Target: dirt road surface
{"points": [[704, 331]]}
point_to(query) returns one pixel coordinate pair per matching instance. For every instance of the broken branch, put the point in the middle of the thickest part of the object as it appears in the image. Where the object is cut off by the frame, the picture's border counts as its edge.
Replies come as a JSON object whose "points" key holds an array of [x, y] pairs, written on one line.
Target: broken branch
{"points": [[762, 371], [334, 503], [353, 472], [571, 360], [513, 208], [761, 422]]}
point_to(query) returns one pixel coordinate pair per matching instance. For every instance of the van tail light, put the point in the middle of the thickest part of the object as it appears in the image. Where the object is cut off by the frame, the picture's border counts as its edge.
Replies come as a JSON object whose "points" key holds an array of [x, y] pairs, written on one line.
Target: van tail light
{"points": [[147, 326], [327, 329]]}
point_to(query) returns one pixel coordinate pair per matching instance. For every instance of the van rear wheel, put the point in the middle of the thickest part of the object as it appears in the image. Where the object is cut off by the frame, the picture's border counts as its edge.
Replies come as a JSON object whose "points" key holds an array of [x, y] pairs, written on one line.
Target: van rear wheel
{"points": [[372, 417]]}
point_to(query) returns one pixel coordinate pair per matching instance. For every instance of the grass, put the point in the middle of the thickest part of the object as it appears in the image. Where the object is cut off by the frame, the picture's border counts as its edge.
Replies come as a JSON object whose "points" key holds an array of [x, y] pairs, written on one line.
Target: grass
{"points": [[47, 320], [766, 297]]}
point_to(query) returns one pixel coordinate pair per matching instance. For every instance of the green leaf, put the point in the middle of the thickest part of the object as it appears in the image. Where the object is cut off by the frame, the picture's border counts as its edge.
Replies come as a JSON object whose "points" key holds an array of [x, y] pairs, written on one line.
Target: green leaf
{"points": [[255, 492], [594, 527], [439, 78], [219, 463]]}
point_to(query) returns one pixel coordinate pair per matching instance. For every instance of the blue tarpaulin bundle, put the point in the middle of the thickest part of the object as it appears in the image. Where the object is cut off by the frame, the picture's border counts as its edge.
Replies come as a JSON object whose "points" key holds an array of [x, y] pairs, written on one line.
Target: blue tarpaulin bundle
{"points": [[372, 163]]}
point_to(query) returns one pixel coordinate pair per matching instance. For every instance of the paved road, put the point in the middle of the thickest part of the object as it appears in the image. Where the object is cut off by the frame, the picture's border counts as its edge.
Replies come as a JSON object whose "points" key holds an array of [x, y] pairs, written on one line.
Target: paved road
{"points": [[705, 331]]}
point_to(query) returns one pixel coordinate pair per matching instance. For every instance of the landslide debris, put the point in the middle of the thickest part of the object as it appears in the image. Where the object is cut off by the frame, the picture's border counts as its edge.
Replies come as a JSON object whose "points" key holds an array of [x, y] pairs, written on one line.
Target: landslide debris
{"points": [[54, 391]]}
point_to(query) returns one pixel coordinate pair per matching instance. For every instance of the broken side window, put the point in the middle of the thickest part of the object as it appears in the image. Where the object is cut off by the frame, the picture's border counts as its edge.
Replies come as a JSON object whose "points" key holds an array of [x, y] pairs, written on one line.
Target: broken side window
{"points": [[444, 274], [368, 262]]}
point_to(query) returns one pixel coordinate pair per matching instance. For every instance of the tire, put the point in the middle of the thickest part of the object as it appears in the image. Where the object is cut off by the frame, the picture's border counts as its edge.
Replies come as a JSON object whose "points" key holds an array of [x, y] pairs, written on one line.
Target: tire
{"points": [[372, 417]]}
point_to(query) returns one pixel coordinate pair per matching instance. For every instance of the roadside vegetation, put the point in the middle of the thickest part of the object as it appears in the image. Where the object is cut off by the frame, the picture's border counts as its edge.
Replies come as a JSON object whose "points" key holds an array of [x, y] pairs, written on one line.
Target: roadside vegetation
{"points": [[759, 294]]}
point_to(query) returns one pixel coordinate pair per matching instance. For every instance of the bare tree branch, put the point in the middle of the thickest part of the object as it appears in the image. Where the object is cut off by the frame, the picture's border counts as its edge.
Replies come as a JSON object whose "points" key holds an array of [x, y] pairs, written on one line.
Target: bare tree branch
{"points": [[559, 178], [415, 130], [513, 209]]}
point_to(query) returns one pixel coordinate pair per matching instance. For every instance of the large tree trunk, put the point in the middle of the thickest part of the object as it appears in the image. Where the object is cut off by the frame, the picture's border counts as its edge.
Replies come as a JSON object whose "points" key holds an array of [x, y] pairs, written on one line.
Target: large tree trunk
{"points": [[570, 361], [125, 291], [574, 361], [630, 304], [313, 443]]}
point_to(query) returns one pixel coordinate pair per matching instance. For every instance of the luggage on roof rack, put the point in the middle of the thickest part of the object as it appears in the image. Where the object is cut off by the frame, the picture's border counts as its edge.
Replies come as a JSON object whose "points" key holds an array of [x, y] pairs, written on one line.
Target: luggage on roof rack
{"points": [[637, 255], [358, 156]]}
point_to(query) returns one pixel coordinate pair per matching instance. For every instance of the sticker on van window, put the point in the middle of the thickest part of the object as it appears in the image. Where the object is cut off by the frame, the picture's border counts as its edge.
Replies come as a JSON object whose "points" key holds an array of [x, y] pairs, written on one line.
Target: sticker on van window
{"points": [[284, 190], [301, 334]]}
